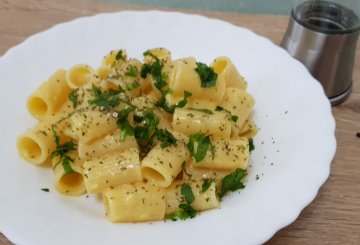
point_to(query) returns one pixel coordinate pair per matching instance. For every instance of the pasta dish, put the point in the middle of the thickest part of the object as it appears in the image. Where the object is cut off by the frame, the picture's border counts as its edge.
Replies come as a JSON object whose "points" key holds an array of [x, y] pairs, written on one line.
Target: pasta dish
{"points": [[158, 138]]}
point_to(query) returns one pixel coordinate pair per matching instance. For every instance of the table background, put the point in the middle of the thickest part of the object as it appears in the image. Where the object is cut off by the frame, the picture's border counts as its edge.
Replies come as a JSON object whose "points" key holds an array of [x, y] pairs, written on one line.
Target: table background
{"points": [[334, 216]]}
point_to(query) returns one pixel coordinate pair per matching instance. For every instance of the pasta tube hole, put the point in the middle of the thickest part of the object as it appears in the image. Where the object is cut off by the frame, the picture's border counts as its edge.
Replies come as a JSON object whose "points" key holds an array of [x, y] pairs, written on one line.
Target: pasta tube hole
{"points": [[72, 180], [152, 175], [37, 107], [79, 75], [220, 65], [29, 149]]}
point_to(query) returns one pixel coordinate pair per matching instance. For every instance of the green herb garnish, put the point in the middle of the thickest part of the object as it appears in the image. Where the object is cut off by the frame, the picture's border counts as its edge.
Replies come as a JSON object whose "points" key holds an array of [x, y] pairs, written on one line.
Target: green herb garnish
{"points": [[120, 55], [108, 99], [251, 145], [124, 125], [234, 118], [187, 193], [206, 185], [132, 71], [232, 182], [162, 103], [61, 152], [165, 137], [185, 212], [73, 97], [155, 70], [207, 75], [145, 131], [198, 145], [45, 189]]}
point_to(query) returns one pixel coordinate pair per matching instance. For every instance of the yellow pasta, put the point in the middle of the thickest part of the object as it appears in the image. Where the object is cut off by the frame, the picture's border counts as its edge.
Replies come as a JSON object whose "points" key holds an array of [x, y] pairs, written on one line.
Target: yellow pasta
{"points": [[239, 103], [90, 125], [202, 201], [162, 165], [37, 144], [79, 75], [69, 179], [112, 170], [49, 97], [115, 57], [190, 121], [134, 202], [228, 73], [158, 138], [228, 155], [108, 144]]}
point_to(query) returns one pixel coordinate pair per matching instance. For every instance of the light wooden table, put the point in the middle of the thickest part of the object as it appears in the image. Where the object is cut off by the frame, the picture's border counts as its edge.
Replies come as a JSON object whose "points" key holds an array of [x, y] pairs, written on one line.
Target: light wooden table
{"points": [[334, 216]]}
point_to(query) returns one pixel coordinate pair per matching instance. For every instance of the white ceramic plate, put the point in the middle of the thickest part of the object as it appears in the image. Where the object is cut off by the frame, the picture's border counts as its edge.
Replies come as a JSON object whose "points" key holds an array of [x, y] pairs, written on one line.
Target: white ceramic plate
{"points": [[294, 147]]}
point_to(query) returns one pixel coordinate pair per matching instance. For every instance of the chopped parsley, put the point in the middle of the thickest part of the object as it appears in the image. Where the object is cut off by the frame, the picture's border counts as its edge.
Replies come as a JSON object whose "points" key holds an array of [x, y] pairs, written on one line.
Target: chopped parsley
{"points": [[145, 130], [45, 189], [120, 55], [233, 117], [155, 70], [124, 125], [162, 103], [251, 145], [165, 137], [206, 185], [108, 99], [198, 146], [187, 193], [185, 210], [61, 151], [232, 182], [132, 71], [73, 97], [207, 75]]}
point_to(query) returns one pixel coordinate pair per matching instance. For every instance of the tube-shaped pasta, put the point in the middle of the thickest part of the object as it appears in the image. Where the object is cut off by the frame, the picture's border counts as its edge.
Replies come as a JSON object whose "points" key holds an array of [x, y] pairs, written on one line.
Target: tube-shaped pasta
{"points": [[188, 121], [216, 175], [104, 71], [229, 154], [112, 170], [162, 165], [134, 203], [36, 145], [48, 98], [115, 57], [79, 75], [69, 182], [161, 53], [108, 144], [239, 103], [183, 77], [203, 200], [90, 125], [228, 74], [249, 129]]}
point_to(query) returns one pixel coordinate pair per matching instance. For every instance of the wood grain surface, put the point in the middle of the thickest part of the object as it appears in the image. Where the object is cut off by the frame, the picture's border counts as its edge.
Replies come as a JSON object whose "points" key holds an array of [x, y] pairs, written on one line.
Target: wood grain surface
{"points": [[334, 216]]}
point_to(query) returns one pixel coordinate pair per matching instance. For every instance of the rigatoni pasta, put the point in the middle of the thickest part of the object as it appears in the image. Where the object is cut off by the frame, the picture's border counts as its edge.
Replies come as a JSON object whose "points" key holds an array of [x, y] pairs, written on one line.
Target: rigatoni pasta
{"points": [[156, 139]]}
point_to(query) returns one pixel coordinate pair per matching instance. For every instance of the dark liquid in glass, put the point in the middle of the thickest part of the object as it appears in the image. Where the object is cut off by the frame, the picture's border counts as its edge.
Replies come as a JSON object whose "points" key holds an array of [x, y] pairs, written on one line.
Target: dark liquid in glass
{"points": [[327, 17]]}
